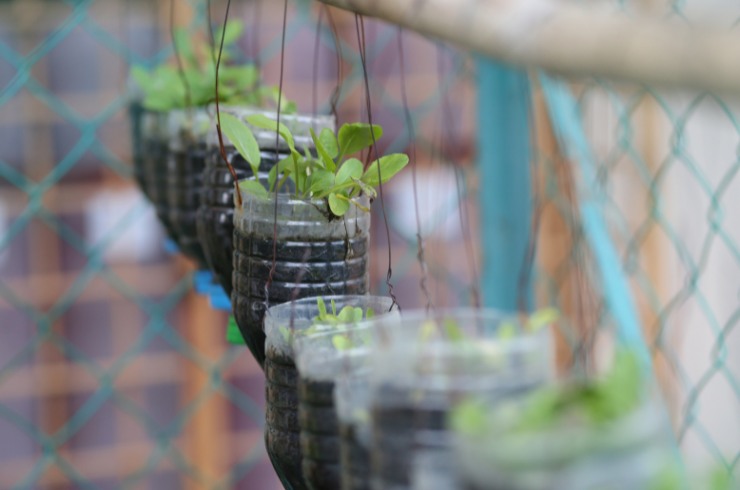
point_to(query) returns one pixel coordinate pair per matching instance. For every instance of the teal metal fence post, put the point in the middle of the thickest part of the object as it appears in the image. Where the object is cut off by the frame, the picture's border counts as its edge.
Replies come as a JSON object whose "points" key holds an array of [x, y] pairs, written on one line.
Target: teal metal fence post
{"points": [[504, 157]]}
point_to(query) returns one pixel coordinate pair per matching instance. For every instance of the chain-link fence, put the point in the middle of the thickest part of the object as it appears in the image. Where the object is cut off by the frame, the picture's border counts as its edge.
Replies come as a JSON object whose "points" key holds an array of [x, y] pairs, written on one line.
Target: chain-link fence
{"points": [[114, 373]]}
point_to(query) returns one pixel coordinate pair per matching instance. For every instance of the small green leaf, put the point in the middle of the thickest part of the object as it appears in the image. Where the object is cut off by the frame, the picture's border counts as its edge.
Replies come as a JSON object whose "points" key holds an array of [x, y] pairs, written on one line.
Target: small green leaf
{"points": [[542, 318], [357, 315], [338, 204], [333, 307], [350, 169], [427, 330], [283, 166], [243, 140], [357, 136], [142, 78], [244, 75], [323, 153], [369, 313], [507, 331], [469, 417], [452, 330], [285, 332], [321, 182], [368, 190], [329, 142], [184, 47], [341, 342], [231, 33], [390, 165], [321, 306], [264, 122], [347, 315], [253, 187]]}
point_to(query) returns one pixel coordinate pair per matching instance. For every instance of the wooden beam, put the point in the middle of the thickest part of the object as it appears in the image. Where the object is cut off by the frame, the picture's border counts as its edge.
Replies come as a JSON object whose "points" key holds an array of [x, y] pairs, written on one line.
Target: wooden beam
{"points": [[572, 39]]}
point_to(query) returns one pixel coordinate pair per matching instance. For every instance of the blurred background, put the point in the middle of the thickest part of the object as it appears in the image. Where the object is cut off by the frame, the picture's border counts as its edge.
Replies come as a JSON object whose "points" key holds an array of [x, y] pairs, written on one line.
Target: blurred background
{"points": [[114, 373]]}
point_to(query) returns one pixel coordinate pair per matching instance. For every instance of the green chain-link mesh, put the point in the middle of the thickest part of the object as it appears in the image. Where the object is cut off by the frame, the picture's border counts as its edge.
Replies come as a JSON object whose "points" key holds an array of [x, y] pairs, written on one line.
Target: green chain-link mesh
{"points": [[100, 345]]}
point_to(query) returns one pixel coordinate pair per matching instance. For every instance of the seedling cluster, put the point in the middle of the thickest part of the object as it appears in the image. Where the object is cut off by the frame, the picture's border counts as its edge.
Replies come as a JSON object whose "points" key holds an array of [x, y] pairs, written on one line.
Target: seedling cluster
{"points": [[332, 174]]}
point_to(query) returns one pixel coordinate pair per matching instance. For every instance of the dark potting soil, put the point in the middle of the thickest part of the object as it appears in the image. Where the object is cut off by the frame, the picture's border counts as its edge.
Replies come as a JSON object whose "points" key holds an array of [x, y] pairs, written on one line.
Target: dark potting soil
{"points": [[136, 113], [395, 434], [319, 434], [354, 459], [215, 216], [320, 475], [156, 181], [309, 275], [185, 185], [282, 432]]}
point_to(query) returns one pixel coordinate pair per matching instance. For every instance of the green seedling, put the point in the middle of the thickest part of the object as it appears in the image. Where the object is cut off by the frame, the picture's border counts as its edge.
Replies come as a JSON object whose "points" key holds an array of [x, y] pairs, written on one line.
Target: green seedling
{"points": [[596, 402], [332, 174], [349, 315], [509, 329], [191, 82]]}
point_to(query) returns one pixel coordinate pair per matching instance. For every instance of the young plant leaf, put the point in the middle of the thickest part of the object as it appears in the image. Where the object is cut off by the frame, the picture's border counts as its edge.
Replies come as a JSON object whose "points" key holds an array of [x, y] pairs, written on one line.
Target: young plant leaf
{"points": [[245, 76], [427, 330], [333, 307], [253, 187], [321, 183], [506, 331], [242, 139], [357, 136], [327, 159], [360, 205], [390, 165], [231, 33], [347, 315], [542, 318], [350, 170], [469, 417], [321, 306], [282, 167], [184, 48], [358, 314], [329, 142], [369, 313], [264, 122], [370, 191], [142, 78], [338, 204], [341, 342], [453, 331]]}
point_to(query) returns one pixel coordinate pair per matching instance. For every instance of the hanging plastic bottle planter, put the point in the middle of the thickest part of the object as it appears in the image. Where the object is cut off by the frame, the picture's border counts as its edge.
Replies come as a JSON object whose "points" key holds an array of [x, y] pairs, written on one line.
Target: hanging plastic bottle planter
{"points": [[215, 217], [284, 435], [307, 232]]}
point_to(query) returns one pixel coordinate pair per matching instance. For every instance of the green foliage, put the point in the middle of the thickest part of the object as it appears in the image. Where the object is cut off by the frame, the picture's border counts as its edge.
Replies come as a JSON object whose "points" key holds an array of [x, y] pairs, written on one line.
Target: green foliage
{"points": [[597, 402], [330, 318], [348, 315], [469, 417], [508, 330], [332, 174], [166, 88]]}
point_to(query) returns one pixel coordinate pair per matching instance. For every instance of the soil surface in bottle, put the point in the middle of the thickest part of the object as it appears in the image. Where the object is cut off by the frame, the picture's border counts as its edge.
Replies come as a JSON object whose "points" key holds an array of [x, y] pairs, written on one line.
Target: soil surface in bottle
{"points": [[354, 456], [282, 430], [185, 185], [317, 417], [396, 425], [301, 269], [215, 215], [155, 170]]}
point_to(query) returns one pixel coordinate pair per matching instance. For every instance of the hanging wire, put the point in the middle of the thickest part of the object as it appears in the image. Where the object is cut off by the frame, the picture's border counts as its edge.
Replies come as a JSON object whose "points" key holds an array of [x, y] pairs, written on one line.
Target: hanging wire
{"points": [[360, 26]]}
